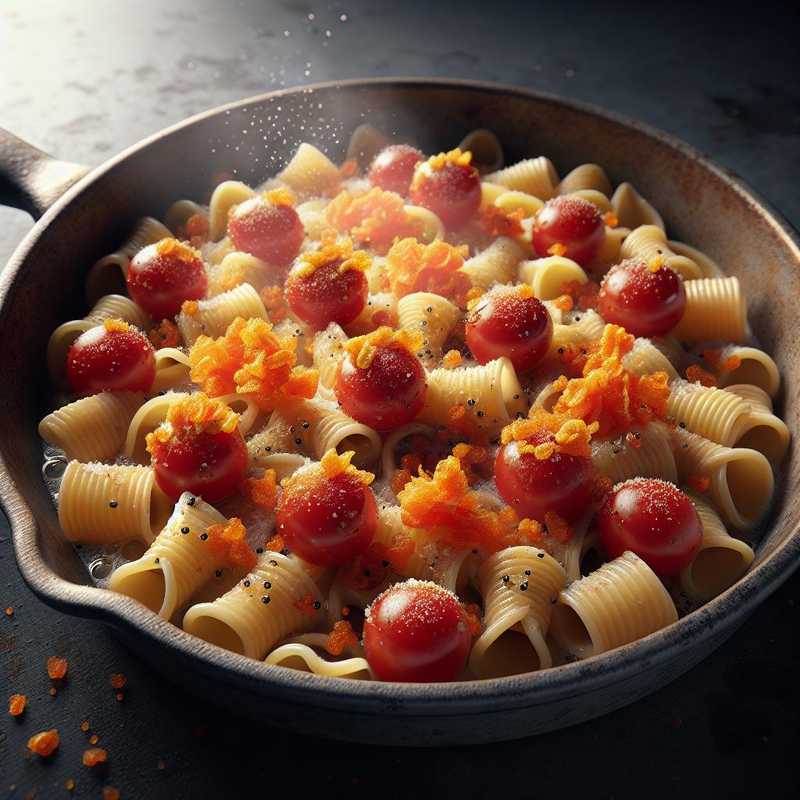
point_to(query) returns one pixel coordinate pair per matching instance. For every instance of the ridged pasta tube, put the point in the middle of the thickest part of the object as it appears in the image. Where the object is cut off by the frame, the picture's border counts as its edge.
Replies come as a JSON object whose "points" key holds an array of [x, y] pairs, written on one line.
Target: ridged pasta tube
{"points": [[645, 358], [585, 176], [176, 564], [755, 366], [648, 242], [284, 464], [491, 191], [715, 311], [496, 264], [619, 603], [102, 504], [225, 198], [297, 655], [536, 176], [312, 215], [490, 394], [548, 276], [648, 456], [310, 172], [92, 428], [741, 481], [487, 152], [146, 419], [244, 622], [753, 394], [519, 585], [432, 226], [632, 210], [721, 560], [234, 270], [328, 351], [580, 328], [213, 316], [380, 309], [432, 315], [179, 212], [172, 370]]}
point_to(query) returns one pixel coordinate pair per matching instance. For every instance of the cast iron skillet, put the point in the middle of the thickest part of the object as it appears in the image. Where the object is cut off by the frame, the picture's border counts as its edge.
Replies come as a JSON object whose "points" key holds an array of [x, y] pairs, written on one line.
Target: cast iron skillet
{"points": [[43, 285]]}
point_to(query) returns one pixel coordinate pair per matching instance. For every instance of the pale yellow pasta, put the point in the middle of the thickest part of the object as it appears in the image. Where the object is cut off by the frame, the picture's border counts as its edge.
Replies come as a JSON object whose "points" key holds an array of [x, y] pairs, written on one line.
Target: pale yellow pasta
{"points": [[490, 192], [708, 267], [380, 309], [213, 316], [389, 461], [92, 428], [297, 655], [284, 464], [235, 269], [584, 539], [301, 333], [646, 358], [496, 264], [648, 454], [214, 252], [244, 622], [593, 196], [579, 328], [511, 200], [432, 315], [365, 143], [177, 563], [518, 585], [753, 394], [146, 419], [310, 172], [108, 504], [172, 370], [225, 198], [490, 394], [432, 227], [715, 311], [548, 276], [632, 210], [179, 212], [610, 250], [721, 559], [312, 215], [585, 176], [648, 242], [741, 481], [487, 152], [619, 603], [536, 176], [328, 351], [755, 367]]}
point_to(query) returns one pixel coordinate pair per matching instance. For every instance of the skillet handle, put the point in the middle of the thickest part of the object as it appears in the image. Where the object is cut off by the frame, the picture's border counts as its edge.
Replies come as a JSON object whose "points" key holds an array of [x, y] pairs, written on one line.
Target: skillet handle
{"points": [[31, 179]]}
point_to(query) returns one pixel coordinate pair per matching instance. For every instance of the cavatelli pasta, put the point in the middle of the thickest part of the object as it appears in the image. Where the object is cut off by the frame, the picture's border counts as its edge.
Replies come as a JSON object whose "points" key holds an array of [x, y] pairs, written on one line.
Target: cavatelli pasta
{"points": [[715, 311], [432, 227], [172, 370], [328, 351], [548, 276], [213, 316], [310, 172], [510, 200], [708, 267], [179, 212], [646, 358], [225, 198], [536, 176], [487, 152], [432, 315], [646, 453], [585, 176], [648, 242], [235, 269], [496, 264], [632, 210], [579, 328]]}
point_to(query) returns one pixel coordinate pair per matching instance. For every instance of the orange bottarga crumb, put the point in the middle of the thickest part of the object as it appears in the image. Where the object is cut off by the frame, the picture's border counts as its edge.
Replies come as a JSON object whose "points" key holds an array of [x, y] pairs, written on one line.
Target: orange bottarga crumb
{"points": [[457, 157], [700, 483], [362, 349], [119, 696], [329, 252], [53, 691], [229, 545], [251, 359], [16, 704], [601, 486], [370, 569], [116, 325], [118, 680], [611, 219], [44, 743], [197, 227], [175, 249], [194, 414], [711, 357], [472, 458], [413, 266], [190, 307], [731, 363], [584, 295], [400, 478], [165, 335], [275, 544], [348, 168], [472, 612], [307, 604], [564, 302], [340, 638], [375, 218], [496, 222], [280, 197], [56, 668], [655, 263], [557, 527], [452, 359], [94, 756], [473, 295], [696, 374], [263, 491], [110, 793], [557, 249], [449, 511], [275, 303], [532, 532], [570, 436]]}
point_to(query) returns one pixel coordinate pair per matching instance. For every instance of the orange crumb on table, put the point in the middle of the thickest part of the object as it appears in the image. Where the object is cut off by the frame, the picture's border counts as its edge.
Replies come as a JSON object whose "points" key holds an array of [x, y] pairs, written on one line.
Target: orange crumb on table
{"points": [[696, 374], [110, 793], [85, 725], [9, 611], [16, 704], [700, 483], [44, 743], [94, 739], [94, 756], [118, 680], [53, 691], [120, 696], [56, 667], [340, 638], [69, 784]]}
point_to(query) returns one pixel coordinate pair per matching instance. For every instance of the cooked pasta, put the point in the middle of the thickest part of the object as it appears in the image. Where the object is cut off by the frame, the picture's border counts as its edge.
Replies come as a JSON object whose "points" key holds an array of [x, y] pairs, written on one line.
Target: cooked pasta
{"points": [[213, 316], [225, 198], [632, 210], [646, 454], [179, 213], [235, 269], [301, 656], [365, 143], [536, 176], [510, 200], [548, 276], [431, 226], [740, 364], [715, 311], [328, 351], [389, 463], [146, 419], [648, 242], [432, 315], [172, 370], [496, 264], [310, 172], [646, 357], [708, 267], [586, 176], [593, 196], [487, 152]]}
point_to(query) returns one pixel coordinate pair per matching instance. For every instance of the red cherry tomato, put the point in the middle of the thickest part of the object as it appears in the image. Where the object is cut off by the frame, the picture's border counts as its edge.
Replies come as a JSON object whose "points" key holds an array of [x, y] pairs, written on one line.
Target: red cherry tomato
{"points": [[393, 168], [572, 222], [273, 233], [211, 465], [162, 275], [533, 486], [327, 295], [453, 192], [387, 394], [643, 301], [103, 360], [416, 633], [330, 521], [506, 324], [653, 519]]}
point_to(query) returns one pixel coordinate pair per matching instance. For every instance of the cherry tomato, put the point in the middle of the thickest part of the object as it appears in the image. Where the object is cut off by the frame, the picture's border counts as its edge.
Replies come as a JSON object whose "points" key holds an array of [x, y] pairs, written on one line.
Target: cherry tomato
{"points": [[393, 168], [327, 294], [330, 521], [506, 324], [387, 394], [416, 632], [653, 519], [533, 486], [273, 233], [211, 465], [452, 192], [643, 301], [103, 360], [571, 222], [162, 275]]}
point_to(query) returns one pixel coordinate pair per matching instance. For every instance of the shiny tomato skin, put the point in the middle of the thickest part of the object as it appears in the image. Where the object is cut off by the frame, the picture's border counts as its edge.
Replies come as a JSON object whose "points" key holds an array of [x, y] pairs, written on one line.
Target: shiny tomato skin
{"points": [[100, 360], [506, 324], [329, 523], [387, 394], [273, 233], [393, 168], [655, 520], [643, 301], [572, 222], [327, 295], [453, 192], [561, 483], [160, 282], [210, 465], [416, 633]]}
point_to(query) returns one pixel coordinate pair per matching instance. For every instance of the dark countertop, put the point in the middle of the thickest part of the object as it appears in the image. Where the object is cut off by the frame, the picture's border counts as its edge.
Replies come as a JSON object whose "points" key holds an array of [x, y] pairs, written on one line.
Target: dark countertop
{"points": [[85, 79]]}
